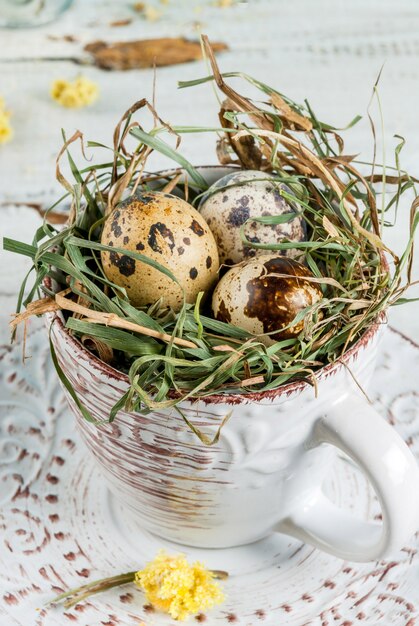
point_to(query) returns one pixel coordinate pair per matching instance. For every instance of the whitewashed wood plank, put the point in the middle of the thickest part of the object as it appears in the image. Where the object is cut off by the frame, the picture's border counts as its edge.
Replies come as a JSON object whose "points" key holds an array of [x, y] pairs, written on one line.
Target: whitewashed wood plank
{"points": [[323, 27]]}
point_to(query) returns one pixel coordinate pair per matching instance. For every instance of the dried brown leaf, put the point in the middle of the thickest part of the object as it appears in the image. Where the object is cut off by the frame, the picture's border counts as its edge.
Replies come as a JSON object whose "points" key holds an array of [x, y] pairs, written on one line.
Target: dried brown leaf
{"points": [[249, 154], [104, 352], [224, 155], [117, 23], [144, 53], [290, 118]]}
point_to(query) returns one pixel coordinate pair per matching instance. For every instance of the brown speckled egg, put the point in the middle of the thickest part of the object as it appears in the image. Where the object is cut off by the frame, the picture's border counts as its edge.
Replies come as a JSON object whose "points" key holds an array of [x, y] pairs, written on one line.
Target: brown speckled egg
{"points": [[252, 296], [165, 229], [240, 196]]}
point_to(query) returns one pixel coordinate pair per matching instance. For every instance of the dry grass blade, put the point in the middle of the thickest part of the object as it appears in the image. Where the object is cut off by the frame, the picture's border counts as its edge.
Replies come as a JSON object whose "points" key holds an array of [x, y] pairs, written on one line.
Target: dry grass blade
{"points": [[117, 139], [38, 307], [168, 188], [110, 319], [254, 380], [290, 118], [240, 102], [372, 205], [61, 303], [391, 180], [324, 280], [226, 348]]}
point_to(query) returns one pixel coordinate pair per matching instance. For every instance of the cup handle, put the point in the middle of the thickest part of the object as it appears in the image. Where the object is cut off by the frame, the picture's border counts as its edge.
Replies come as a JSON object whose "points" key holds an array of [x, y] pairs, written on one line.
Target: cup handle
{"points": [[354, 427]]}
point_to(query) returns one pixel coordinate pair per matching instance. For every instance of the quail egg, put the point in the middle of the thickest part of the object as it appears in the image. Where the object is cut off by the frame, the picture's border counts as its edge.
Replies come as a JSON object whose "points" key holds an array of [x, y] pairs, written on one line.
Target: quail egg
{"points": [[244, 195], [253, 296], [165, 229]]}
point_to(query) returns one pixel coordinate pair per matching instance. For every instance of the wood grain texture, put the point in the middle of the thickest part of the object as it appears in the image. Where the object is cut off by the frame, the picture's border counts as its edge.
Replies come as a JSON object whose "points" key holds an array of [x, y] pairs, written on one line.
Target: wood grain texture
{"points": [[57, 523]]}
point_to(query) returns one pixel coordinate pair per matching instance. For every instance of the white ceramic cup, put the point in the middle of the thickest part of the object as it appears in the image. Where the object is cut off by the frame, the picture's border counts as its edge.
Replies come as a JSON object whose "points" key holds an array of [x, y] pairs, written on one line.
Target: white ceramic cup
{"points": [[266, 472]]}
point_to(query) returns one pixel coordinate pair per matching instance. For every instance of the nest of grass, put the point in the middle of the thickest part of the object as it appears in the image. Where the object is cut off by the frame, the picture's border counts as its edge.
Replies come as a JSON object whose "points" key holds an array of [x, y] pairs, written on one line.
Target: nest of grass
{"points": [[171, 357]]}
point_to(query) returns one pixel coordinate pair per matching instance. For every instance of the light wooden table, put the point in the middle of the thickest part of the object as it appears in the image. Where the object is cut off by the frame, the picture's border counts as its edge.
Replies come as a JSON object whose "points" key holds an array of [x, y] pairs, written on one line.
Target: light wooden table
{"points": [[328, 51], [58, 533]]}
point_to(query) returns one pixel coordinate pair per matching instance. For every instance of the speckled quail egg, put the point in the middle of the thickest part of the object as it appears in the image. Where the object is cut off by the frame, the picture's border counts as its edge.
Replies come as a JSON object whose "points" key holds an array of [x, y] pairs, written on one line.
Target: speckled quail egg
{"points": [[252, 295], [240, 196], [165, 229]]}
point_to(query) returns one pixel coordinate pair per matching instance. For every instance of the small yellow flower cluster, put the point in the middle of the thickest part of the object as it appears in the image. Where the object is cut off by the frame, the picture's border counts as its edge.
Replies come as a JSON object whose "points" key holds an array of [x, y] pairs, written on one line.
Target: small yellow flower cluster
{"points": [[172, 585], [6, 130], [148, 11], [79, 93]]}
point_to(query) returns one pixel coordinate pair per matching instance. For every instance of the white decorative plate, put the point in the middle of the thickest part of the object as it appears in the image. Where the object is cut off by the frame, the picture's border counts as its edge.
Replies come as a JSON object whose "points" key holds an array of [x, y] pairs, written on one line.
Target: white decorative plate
{"points": [[58, 525]]}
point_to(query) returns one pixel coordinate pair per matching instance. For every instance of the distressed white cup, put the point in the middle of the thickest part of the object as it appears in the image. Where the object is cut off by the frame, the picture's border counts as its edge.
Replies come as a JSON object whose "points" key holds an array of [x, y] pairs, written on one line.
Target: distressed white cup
{"points": [[266, 472]]}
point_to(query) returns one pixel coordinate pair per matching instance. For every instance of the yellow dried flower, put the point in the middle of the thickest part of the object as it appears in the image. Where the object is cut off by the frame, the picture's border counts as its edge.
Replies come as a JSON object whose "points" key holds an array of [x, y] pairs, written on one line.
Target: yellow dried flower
{"points": [[74, 94], [148, 11], [172, 585], [152, 14], [6, 130]]}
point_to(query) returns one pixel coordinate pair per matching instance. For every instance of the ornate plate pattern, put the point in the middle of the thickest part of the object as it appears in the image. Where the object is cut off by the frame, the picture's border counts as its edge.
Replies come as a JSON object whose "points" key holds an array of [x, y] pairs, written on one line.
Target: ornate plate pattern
{"points": [[60, 527]]}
